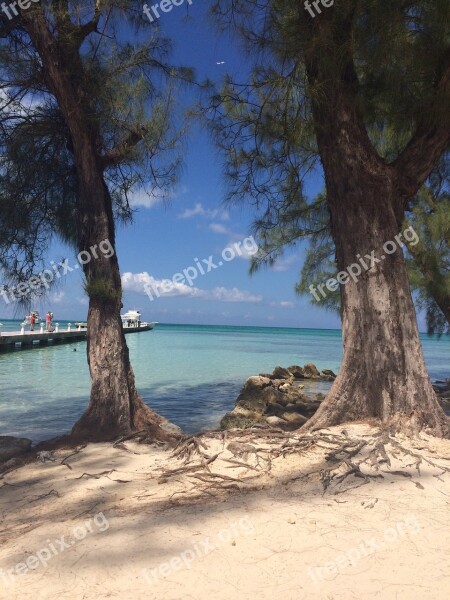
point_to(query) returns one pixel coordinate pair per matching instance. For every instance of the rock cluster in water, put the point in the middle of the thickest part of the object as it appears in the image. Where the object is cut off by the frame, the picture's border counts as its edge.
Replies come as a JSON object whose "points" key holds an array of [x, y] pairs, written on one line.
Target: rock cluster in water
{"points": [[277, 399]]}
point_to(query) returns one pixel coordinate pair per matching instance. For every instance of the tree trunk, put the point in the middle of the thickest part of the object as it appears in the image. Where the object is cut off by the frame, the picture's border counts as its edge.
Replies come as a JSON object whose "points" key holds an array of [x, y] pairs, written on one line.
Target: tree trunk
{"points": [[115, 407], [383, 374]]}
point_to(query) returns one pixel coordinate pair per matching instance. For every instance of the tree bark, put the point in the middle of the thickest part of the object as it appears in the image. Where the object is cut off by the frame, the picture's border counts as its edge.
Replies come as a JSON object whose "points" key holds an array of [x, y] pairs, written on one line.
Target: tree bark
{"points": [[115, 407], [383, 374]]}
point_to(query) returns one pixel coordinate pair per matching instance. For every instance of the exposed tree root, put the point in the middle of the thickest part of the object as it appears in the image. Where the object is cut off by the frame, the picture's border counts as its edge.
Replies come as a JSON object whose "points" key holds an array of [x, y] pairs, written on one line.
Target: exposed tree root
{"points": [[347, 462]]}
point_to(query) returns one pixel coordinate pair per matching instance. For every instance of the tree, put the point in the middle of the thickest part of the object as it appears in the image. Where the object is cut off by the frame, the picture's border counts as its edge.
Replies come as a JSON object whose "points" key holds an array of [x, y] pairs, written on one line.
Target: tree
{"points": [[429, 265], [428, 259], [320, 84], [106, 102]]}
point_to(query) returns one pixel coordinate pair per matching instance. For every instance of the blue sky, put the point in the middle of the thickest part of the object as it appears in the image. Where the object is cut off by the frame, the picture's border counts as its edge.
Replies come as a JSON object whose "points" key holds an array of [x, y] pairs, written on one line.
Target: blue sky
{"points": [[167, 237]]}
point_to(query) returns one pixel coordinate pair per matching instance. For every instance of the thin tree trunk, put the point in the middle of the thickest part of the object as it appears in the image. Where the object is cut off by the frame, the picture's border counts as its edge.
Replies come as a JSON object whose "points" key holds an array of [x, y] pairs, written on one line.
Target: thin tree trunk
{"points": [[115, 407]]}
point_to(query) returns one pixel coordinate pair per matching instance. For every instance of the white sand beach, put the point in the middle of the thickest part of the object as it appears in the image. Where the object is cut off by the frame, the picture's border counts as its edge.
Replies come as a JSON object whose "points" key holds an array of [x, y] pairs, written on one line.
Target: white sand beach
{"points": [[122, 522]]}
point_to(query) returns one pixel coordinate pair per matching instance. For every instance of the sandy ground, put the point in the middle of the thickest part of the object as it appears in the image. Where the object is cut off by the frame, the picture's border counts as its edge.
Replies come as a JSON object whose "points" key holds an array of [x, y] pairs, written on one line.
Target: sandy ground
{"points": [[118, 524]]}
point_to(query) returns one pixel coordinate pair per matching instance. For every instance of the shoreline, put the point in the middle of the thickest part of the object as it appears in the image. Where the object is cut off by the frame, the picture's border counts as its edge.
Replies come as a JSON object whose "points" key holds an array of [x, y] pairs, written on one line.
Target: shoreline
{"points": [[246, 412]]}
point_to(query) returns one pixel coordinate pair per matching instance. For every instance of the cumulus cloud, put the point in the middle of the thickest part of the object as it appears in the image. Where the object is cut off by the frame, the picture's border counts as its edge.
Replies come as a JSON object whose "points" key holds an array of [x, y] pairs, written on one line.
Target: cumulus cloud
{"points": [[138, 282]]}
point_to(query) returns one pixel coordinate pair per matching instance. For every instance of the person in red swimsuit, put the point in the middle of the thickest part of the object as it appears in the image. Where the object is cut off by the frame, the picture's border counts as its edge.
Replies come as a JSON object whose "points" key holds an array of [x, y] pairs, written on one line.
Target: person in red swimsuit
{"points": [[32, 321]]}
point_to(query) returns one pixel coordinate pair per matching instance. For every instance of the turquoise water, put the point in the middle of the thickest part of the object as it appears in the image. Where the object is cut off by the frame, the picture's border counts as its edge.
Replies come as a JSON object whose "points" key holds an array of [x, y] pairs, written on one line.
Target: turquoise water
{"points": [[191, 374]]}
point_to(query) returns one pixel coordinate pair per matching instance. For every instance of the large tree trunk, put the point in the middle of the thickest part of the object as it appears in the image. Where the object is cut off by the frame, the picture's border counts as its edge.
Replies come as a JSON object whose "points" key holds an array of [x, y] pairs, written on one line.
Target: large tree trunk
{"points": [[115, 407], [383, 374]]}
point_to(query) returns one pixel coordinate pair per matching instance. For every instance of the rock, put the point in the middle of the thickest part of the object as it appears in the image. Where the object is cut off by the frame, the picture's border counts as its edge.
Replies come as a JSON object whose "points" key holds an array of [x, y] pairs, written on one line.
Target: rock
{"points": [[308, 407], [292, 417], [329, 373], [275, 409], [257, 393], [239, 420], [310, 371], [296, 371], [320, 397], [277, 383], [273, 396], [171, 428], [284, 387], [11, 447], [256, 382], [275, 421], [45, 455], [280, 373], [284, 400]]}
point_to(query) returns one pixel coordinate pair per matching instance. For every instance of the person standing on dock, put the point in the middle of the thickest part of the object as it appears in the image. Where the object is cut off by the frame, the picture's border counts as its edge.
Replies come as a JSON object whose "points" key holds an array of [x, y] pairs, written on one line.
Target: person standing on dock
{"points": [[48, 321], [32, 321]]}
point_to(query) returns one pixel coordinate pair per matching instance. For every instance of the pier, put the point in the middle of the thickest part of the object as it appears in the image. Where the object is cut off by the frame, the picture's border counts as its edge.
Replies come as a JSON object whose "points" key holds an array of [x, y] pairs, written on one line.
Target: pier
{"points": [[32, 339]]}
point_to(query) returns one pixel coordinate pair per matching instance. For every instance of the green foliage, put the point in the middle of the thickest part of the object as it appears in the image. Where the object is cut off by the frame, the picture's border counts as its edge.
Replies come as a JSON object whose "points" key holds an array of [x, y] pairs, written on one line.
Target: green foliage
{"points": [[102, 290], [126, 89], [267, 127]]}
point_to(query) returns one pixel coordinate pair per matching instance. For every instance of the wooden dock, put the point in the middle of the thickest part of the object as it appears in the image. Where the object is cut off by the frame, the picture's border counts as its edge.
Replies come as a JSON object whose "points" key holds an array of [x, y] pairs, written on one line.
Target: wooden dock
{"points": [[32, 339]]}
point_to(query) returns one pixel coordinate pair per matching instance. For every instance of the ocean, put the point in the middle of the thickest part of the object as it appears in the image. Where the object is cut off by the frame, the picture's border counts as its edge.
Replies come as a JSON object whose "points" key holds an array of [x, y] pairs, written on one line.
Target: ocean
{"points": [[191, 374]]}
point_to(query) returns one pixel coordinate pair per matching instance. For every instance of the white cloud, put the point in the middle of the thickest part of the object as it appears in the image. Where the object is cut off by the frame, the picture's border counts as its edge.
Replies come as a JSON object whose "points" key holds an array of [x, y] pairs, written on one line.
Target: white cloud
{"points": [[232, 295], [143, 199], [283, 304], [219, 228], [200, 211], [136, 282]]}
